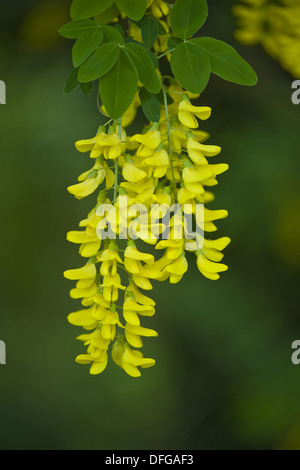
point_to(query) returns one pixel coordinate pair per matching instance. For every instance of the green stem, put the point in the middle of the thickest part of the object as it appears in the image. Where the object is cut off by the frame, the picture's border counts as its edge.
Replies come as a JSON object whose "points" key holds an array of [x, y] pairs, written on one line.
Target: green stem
{"points": [[169, 140], [117, 165], [116, 180], [165, 53]]}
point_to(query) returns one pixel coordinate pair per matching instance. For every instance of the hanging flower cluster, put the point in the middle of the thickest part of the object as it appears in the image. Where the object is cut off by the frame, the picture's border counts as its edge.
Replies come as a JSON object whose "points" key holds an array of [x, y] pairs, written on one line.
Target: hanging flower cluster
{"points": [[275, 24], [168, 165]]}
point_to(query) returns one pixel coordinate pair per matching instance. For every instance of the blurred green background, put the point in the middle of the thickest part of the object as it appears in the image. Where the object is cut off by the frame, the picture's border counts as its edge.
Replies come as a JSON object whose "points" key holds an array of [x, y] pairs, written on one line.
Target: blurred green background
{"points": [[224, 377]]}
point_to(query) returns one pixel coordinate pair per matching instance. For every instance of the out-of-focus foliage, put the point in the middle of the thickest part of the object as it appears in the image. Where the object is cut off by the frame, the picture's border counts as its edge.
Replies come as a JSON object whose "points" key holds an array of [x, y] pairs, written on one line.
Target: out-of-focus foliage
{"points": [[275, 24], [224, 378]]}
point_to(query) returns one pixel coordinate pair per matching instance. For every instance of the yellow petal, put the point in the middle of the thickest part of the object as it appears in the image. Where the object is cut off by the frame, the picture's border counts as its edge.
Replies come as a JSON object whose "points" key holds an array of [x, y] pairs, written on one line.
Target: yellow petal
{"points": [[86, 272], [206, 150], [81, 237], [82, 318], [210, 216], [137, 359], [142, 282], [135, 254], [87, 250], [85, 283], [179, 267], [84, 293], [133, 174], [192, 176], [210, 267], [133, 339], [151, 139], [85, 145], [84, 359], [140, 331], [219, 244], [139, 297], [131, 304], [87, 187], [98, 367], [131, 370], [131, 317], [188, 119]]}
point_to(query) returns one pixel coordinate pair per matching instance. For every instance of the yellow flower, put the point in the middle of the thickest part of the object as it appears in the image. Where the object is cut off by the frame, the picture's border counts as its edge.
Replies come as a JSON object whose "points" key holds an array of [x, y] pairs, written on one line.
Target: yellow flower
{"points": [[210, 269], [139, 297], [109, 260], [158, 178], [109, 145], [133, 334], [98, 366], [187, 114], [177, 269], [159, 163], [149, 142], [90, 243], [195, 177], [89, 185], [133, 174], [109, 322], [112, 284], [129, 359], [197, 151], [212, 248], [133, 258], [132, 310], [209, 257], [159, 8], [86, 272], [83, 318], [84, 293], [95, 339]]}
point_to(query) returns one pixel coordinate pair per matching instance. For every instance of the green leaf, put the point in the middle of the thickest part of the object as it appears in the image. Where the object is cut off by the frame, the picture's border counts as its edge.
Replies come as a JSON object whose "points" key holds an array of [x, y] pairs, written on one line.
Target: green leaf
{"points": [[161, 29], [118, 87], [149, 28], [87, 42], [187, 17], [112, 34], [83, 9], [119, 28], [73, 29], [100, 62], [87, 88], [226, 62], [153, 58], [144, 65], [191, 67], [173, 42], [108, 15], [134, 9], [71, 83], [150, 105]]}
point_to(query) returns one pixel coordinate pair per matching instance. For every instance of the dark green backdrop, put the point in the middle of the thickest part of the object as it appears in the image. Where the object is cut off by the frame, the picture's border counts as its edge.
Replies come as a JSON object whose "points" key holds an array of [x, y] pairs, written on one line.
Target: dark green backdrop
{"points": [[224, 377]]}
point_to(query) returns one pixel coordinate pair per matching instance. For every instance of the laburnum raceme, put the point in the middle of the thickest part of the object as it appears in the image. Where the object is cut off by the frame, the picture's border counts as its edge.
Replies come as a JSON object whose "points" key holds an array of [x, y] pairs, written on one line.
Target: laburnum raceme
{"points": [[275, 24], [169, 164]]}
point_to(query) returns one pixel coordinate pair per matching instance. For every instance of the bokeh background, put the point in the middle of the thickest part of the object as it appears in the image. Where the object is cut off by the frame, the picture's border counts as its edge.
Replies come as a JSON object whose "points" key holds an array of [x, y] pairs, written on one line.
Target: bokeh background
{"points": [[224, 377]]}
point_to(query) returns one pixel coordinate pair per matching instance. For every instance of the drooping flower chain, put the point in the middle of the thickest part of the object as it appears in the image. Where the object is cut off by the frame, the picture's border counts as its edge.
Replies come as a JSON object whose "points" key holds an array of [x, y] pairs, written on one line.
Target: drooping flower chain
{"points": [[168, 163]]}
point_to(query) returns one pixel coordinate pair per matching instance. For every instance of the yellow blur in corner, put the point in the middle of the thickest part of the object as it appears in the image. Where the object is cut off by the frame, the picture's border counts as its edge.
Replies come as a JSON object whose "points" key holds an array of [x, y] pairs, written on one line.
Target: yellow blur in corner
{"points": [[275, 24], [40, 25]]}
